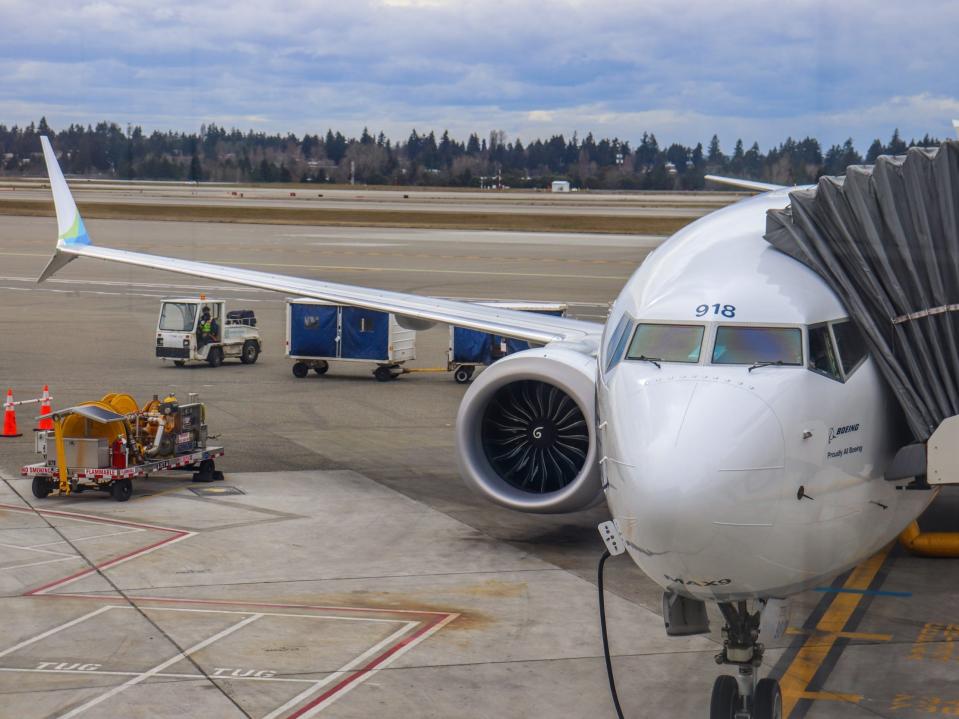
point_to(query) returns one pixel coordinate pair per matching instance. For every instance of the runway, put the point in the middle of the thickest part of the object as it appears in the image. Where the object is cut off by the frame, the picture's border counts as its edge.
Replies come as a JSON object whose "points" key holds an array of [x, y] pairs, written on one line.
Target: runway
{"points": [[353, 574]]}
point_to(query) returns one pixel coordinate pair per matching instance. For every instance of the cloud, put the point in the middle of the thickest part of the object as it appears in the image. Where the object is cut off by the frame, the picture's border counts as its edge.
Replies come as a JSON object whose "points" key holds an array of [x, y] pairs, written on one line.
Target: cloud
{"points": [[742, 68]]}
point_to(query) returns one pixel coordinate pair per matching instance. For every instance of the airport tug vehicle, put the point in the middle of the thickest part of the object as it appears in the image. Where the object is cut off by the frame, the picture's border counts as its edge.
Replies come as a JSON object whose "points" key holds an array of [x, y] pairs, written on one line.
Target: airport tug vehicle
{"points": [[201, 330], [105, 445]]}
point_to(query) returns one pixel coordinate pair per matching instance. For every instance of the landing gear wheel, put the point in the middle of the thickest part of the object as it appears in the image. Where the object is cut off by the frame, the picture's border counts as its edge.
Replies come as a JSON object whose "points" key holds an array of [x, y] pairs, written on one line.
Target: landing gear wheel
{"points": [[321, 367], [383, 374], [249, 353], [121, 490], [215, 356], [768, 701], [42, 486], [179, 363], [463, 374], [300, 369], [726, 700]]}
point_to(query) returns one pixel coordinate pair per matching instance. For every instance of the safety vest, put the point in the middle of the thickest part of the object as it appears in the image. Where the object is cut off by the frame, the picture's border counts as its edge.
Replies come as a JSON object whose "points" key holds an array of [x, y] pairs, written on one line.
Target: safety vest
{"points": [[206, 328]]}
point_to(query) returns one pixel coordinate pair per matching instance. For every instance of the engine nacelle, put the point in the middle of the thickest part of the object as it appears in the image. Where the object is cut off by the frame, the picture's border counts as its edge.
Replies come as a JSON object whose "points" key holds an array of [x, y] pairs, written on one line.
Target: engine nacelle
{"points": [[526, 432]]}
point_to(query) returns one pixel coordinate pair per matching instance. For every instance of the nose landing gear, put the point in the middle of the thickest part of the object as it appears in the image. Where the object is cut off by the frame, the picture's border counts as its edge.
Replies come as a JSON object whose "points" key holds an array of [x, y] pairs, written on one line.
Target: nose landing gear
{"points": [[741, 696]]}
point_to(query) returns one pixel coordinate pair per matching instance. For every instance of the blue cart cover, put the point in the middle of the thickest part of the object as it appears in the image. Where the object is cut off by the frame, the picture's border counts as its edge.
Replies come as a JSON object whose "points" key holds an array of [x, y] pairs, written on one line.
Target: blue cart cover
{"points": [[312, 330], [472, 346], [366, 334], [475, 347]]}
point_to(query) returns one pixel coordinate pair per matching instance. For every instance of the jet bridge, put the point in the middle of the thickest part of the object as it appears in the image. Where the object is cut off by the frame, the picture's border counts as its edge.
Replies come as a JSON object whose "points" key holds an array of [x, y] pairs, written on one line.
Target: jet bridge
{"points": [[885, 238]]}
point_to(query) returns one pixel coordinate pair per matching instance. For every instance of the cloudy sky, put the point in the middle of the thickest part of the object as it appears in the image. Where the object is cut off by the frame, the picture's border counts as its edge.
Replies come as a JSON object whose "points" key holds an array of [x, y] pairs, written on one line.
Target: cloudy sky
{"points": [[758, 70]]}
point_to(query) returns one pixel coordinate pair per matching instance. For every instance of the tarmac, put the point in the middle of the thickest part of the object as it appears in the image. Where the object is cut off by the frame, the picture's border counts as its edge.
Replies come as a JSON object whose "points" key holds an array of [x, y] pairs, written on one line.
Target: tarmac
{"points": [[342, 569]]}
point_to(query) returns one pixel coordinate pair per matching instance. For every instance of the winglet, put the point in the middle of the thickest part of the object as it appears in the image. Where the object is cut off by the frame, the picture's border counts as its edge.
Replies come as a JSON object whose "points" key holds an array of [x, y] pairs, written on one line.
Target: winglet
{"points": [[746, 184], [71, 230]]}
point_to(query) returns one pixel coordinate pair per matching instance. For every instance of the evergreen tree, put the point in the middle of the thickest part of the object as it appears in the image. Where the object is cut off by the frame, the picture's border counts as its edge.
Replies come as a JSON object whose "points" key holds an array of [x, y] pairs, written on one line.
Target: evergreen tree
{"points": [[896, 145], [714, 156], [875, 150]]}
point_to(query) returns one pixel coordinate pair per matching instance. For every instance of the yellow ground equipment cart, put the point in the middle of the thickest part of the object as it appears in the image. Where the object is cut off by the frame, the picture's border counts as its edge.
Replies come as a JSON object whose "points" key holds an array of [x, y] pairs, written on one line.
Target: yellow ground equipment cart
{"points": [[105, 445]]}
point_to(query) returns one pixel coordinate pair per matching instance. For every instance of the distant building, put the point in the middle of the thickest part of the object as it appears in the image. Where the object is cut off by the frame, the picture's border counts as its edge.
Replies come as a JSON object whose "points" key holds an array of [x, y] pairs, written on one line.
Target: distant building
{"points": [[955, 124], [560, 186]]}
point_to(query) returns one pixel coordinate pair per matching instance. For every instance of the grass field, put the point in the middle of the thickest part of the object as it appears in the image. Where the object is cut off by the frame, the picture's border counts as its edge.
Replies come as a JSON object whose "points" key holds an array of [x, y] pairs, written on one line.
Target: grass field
{"points": [[359, 217]]}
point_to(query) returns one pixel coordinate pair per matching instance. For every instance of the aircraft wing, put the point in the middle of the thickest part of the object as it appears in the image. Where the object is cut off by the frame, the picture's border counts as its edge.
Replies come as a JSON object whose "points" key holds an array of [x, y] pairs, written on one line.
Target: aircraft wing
{"points": [[745, 184], [74, 242]]}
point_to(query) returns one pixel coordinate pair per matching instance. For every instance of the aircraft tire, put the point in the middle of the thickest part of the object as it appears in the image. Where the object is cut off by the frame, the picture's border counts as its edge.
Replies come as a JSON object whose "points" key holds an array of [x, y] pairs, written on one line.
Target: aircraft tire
{"points": [[725, 700], [768, 701]]}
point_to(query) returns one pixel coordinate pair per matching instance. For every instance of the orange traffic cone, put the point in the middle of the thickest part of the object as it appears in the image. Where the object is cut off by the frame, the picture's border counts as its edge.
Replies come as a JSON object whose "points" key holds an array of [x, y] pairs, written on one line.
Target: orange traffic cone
{"points": [[46, 421], [9, 418]]}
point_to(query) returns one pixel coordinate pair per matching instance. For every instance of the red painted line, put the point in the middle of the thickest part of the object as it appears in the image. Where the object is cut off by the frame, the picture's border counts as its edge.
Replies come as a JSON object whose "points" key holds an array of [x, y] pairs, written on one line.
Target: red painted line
{"points": [[355, 676], [104, 565], [434, 618], [92, 517], [270, 605]]}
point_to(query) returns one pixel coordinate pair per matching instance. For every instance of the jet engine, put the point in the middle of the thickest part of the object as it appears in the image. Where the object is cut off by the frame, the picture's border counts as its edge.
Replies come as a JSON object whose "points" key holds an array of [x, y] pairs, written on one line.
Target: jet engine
{"points": [[526, 432]]}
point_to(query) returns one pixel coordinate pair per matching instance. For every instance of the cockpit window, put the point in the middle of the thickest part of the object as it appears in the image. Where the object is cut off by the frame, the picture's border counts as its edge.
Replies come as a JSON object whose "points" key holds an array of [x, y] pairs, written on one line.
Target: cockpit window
{"points": [[851, 345], [822, 356], [749, 345], [666, 343], [617, 342]]}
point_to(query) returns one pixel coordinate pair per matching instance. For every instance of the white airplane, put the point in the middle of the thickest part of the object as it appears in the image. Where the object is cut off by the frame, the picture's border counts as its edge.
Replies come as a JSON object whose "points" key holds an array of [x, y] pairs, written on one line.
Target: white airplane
{"points": [[727, 412]]}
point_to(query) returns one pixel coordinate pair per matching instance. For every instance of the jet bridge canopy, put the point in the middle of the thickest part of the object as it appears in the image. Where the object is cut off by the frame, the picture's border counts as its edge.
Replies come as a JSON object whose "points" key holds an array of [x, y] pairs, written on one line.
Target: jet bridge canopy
{"points": [[885, 238]]}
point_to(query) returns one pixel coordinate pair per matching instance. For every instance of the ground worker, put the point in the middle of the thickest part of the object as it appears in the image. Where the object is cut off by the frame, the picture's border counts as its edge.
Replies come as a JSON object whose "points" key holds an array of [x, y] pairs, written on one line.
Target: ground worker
{"points": [[207, 330]]}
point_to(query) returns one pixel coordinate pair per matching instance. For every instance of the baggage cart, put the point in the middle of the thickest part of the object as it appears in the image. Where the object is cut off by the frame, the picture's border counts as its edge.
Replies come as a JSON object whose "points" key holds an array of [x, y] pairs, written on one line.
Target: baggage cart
{"points": [[470, 349], [319, 332]]}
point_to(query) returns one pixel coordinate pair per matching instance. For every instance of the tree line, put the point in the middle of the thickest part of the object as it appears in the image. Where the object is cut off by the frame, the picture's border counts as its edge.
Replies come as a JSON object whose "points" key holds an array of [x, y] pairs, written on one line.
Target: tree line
{"points": [[221, 155]]}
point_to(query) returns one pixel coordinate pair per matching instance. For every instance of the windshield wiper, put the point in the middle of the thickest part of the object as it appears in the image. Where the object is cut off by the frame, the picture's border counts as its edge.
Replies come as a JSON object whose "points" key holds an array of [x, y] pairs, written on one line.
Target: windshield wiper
{"points": [[757, 365], [654, 360]]}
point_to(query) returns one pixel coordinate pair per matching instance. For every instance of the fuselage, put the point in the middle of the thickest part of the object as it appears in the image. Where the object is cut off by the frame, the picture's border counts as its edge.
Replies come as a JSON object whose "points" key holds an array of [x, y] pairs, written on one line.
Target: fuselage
{"points": [[743, 429]]}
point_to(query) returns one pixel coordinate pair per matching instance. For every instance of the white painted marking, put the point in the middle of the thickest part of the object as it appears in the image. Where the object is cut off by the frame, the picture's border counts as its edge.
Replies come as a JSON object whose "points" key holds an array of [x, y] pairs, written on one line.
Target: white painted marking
{"points": [[389, 660], [352, 664], [34, 549], [167, 675], [160, 667], [270, 614], [85, 539], [51, 632], [42, 561], [351, 244]]}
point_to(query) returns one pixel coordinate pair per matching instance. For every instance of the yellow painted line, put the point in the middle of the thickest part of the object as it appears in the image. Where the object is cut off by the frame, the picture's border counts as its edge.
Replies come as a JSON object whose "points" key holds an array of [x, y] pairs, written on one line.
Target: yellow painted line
{"points": [[860, 636], [815, 649], [834, 696]]}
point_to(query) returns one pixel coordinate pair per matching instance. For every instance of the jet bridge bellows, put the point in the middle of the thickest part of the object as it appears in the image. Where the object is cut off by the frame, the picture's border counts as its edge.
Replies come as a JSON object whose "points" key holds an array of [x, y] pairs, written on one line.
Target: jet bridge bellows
{"points": [[885, 238]]}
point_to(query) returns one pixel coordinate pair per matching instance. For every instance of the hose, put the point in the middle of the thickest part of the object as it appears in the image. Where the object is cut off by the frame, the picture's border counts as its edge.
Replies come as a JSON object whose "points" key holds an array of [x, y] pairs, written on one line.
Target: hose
{"points": [[152, 451], [602, 627], [929, 544]]}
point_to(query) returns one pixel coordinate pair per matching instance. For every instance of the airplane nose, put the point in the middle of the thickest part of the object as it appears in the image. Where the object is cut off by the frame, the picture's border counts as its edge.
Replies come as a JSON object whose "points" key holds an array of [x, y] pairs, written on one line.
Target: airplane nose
{"points": [[686, 455]]}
